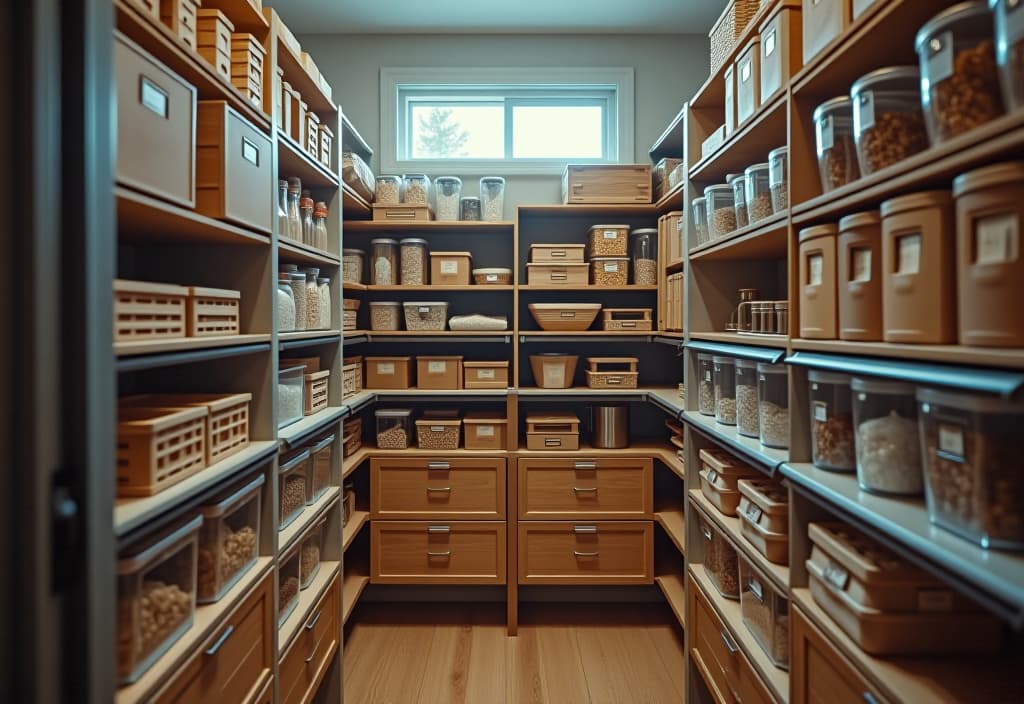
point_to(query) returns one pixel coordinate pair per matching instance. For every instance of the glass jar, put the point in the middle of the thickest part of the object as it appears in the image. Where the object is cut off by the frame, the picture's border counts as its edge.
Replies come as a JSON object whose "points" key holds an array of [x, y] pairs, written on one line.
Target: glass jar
{"points": [[773, 404], [759, 195], [706, 387], [388, 190], [297, 280], [285, 304], [469, 209], [721, 213], [320, 225], [778, 178], [323, 286], [415, 262], [384, 258], [447, 192], [832, 445], [887, 440], [294, 217], [781, 317], [312, 298], [645, 259], [888, 125], [306, 216], [725, 390], [959, 79], [352, 266], [747, 421], [742, 318], [739, 198], [394, 428], [700, 222], [416, 189], [1010, 50], [833, 137], [768, 325], [282, 210], [492, 198]]}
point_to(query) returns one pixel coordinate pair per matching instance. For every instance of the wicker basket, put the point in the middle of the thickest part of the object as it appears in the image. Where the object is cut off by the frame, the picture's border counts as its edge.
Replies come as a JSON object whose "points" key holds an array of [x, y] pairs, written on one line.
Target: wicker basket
{"points": [[564, 316], [158, 447], [727, 30], [623, 376]]}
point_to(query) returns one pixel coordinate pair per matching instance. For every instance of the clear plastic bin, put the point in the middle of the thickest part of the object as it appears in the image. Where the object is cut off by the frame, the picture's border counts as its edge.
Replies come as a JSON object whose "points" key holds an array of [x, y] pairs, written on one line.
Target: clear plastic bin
{"points": [[420, 315], [887, 441], [778, 178], [739, 198], [725, 390], [291, 487], [285, 307], [156, 598], [492, 198], [706, 385], [643, 244], [352, 265], [700, 222], [229, 541], [319, 478], [720, 560], [384, 262], [297, 280], [747, 415], [773, 404], [447, 195], [972, 448], [721, 210], [385, 315], [290, 401], [416, 189], [1010, 50], [888, 124], [288, 584], [832, 445], [765, 613], [415, 256], [310, 553], [834, 142], [759, 193], [394, 428], [388, 190]]}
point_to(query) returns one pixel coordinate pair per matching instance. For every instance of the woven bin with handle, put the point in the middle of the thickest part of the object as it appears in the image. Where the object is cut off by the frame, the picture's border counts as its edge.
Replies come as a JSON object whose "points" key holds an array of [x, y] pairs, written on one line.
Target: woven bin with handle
{"points": [[727, 30]]}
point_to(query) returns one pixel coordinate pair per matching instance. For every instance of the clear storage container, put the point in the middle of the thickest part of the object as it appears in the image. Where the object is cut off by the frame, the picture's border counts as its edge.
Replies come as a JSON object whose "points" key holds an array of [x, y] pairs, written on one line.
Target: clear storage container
{"points": [[394, 428], [288, 585], [291, 487], [972, 448], [747, 418], [706, 386], [297, 280], [388, 190], [290, 401], [415, 262], [887, 443], [834, 143], [447, 194], [959, 79], [765, 613], [156, 598], [725, 390], [759, 194], [439, 431], [888, 124], [285, 306], [778, 178], [319, 479], [323, 287], [416, 189], [609, 271], [492, 198], [421, 315], [832, 445], [643, 243], [313, 313], [469, 209], [739, 198], [700, 222], [352, 265], [720, 560], [229, 540], [384, 260], [773, 404], [310, 553], [1010, 50], [721, 210], [385, 315]]}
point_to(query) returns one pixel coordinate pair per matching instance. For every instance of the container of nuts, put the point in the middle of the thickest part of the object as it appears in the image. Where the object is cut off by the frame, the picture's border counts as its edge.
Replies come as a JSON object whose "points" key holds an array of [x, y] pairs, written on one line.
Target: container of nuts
{"points": [[721, 210], [352, 265], [773, 404], [416, 189], [309, 554], [701, 236], [291, 487], [492, 198], [720, 560], [388, 190], [888, 125], [959, 78], [228, 539], [394, 428], [1010, 50], [288, 584], [759, 194], [746, 398], [425, 315], [447, 194], [765, 613], [725, 389], [608, 240], [832, 445], [834, 143], [609, 271], [384, 315], [705, 375], [739, 198]]}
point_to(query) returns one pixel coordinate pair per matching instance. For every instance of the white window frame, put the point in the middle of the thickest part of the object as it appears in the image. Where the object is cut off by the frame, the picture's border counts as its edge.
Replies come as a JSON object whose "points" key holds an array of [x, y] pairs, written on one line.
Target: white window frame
{"points": [[620, 114]]}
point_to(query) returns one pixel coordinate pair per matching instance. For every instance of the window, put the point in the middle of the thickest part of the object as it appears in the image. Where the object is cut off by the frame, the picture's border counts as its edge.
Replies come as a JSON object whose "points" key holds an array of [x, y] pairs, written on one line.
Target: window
{"points": [[476, 121]]}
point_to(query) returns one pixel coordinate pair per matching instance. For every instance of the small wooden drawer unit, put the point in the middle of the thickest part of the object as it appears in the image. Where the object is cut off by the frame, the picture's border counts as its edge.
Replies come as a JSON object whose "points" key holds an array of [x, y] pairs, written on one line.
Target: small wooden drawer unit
{"points": [[214, 40], [567, 552], [247, 55], [436, 488], [626, 319], [439, 373], [389, 373], [312, 141], [558, 431], [557, 253], [150, 8], [572, 489], [485, 375], [180, 16], [558, 274], [401, 212], [422, 552], [606, 183], [304, 664]]}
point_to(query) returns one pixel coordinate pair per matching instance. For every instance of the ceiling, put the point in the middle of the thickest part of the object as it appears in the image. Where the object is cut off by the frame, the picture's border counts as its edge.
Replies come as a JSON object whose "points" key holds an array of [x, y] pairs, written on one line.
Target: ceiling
{"points": [[492, 17]]}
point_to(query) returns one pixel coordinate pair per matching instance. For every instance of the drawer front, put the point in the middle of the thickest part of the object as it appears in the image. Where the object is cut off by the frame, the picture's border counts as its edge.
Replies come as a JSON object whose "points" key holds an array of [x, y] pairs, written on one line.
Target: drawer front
{"points": [[752, 689], [472, 489], [421, 552], [565, 552], [555, 275], [819, 674], [574, 489], [303, 665], [156, 114], [713, 648]]}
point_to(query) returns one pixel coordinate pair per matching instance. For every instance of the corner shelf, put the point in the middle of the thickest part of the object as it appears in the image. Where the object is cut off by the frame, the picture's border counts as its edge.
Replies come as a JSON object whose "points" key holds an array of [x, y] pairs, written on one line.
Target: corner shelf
{"points": [[351, 589], [764, 239], [674, 589], [292, 160], [353, 204], [673, 521], [301, 430], [143, 219], [355, 524]]}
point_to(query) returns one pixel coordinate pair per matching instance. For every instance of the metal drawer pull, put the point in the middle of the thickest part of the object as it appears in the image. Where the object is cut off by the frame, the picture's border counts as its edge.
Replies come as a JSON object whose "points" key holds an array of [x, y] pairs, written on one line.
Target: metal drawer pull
{"points": [[313, 654], [585, 489], [439, 465], [212, 650], [577, 553], [586, 464], [439, 529], [312, 624], [584, 529], [439, 489], [446, 553], [869, 698], [729, 645]]}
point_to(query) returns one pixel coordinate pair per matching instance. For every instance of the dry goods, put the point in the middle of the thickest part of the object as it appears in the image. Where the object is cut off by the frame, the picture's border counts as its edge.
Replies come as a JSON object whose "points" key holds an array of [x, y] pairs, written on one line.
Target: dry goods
{"points": [[384, 317], [309, 558], [386, 192], [352, 268], [774, 422], [289, 589], [721, 561], [707, 398], [289, 400], [314, 303], [383, 274], [758, 615], [889, 455], [760, 207], [780, 196], [971, 95], [724, 220], [645, 272], [838, 164], [610, 273], [742, 219], [746, 410], [238, 548], [893, 137], [416, 192], [293, 495], [444, 440], [393, 439], [160, 610], [285, 311], [414, 264], [725, 411], [833, 441]]}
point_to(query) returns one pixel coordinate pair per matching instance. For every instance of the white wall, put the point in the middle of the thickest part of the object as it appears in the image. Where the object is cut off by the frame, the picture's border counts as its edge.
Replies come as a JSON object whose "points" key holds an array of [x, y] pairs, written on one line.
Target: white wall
{"points": [[668, 70]]}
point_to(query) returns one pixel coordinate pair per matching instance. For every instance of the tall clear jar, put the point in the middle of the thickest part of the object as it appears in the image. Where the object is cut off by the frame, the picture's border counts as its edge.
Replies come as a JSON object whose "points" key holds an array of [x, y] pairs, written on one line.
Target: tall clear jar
{"points": [[492, 198], [759, 194], [294, 217], [832, 445], [306, 216], [778, 178], [447, 193], [645, 258], [282, 210], [700, 222], [352, 265], [888, 125], [312, 298], [384, 259], [834, 143], [297, 280], [285, 304], [416, 189], [725, 390], [887, 440], [388, 190], [773, 404], [739, 197], [323, 285], [747, 421], [721, 213], [706, 386], [415, 262], [320, 225]]}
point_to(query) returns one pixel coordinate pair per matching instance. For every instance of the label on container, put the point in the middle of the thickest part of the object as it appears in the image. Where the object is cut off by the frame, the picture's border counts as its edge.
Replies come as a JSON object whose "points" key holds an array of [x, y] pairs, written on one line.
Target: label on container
{"points": [[826, 136], [934, 600], [485, 431], [611, 266], [940, 58], [1014, 21], [707, 376], [437, 428], [776, 170], [490, 278], [745, 71], [611, 235], [815, 269], [820, 411], [769, 43], [712, 476], [756, 589], [835, 575], [152, 97], [437, 367], [860, 264], [485, 374], [449, 266], [554, 375], [951, 442], [908, 254], [995, 239], [386, 368], [866, 110], [754, 513]]}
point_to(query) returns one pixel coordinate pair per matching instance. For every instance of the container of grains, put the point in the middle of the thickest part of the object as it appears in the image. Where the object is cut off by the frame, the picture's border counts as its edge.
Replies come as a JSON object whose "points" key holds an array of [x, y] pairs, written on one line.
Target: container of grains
{"points": [[310, 552], [492, 276], [701, 235], [285, 306], [778, 178], [888, 125], [438, 431], [706, 395], [313, 300], [388, 190], [739, 198], [290, 403], [747, 420], [972, 447], [720, 473], [415, 262], [834, 143], [721, 210], [416, 189], [1010, 50], [288, 584], [725, 390], [720, 560], [323, 286], [156, 598], [959, 79], [492, 198], [764, 517], [291, 486], [470, 209], [765, 613], [384, 262], [832, 445], [609, 271], [297, 280], [425, 315], [759, 194], [384, 315], [887, 443], [319, 478], [229, 540], [394, 428], [352, 265], [773, 404], [608, 241], [447, 194], [643, 243]]}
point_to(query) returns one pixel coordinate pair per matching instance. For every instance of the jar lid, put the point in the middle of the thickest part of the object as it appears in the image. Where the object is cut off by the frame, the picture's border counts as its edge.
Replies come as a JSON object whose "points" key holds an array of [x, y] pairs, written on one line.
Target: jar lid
{"points": [[754, 168], [323, 280], [393, 412], [824, 377], [722, 359], [702, 200], [389, 177], [314, 270], [769, 368], [880, 386], [957, 13], [833, 105], [294, 183], [868, 217], [450, 180], [415, 177], [729, 178], [777, 152], [914, 201], [297, 275], [465, 199], [417, 241], [281, 183], [908, 75], [967, 402], [645, 231], [492, 180], [385, 304], [746, 363], [492, 270], [717, 188], [810, 233], [383, 240], [988, 176], [353, 253]]}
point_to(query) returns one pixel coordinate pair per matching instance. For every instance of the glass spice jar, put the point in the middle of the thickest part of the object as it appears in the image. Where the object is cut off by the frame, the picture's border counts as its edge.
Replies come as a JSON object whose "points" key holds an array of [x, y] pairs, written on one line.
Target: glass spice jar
{"points": [[384, 259], [297, 280], [312, 298], [306, 217], [294, 217], [320, 225], [282, 210], [782, 317]]}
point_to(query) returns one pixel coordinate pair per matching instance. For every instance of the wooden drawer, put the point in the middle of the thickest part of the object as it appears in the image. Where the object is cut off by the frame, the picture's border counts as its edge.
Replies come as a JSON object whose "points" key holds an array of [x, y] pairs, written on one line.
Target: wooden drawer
{"points": [[752, 688], [421, 552], [303, 666], [565, 552], [267, 695], [582, 489], [820, 674], [557, 274], [434, 488], [713, 648], [235, 662], [606, 183]]}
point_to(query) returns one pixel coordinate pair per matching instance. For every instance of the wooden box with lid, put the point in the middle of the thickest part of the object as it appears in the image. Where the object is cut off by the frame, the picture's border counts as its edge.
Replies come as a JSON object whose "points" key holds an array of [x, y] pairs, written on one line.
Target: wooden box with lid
{"points": [[180, 16], [439, 373], [859, 277], [214, 40], [553, 431], [606, 183]]}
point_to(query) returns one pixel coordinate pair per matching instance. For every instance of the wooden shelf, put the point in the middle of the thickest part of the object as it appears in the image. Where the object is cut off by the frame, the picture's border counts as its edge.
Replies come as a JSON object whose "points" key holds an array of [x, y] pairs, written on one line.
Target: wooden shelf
{"points": [[348, 286], [358, 400], [351, 140], [420, 452], [776, 341], [309, 516], [749, 144], [353, 206], [711, 95], [427, 289], [351, 589], [765, 239], [672, 200], [439, 333], [588, 289], [355, 523], [295, 73], [355, 461], [308, 598], [298, 253], [672, 141], [766, 458], [675, 264], [668, 399], [243, 15], [675, 594], [386, 393], [314, 337], [131, 348], [584, 334], [292, 160], [674, 523], [301, 430], [460, 226], [1010, 358], [575, 210], [144, 220]]}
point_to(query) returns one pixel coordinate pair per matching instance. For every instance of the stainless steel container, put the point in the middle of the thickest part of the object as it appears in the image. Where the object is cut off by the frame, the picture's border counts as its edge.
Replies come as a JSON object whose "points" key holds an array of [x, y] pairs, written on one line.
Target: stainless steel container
{"points": [[609, 426]]}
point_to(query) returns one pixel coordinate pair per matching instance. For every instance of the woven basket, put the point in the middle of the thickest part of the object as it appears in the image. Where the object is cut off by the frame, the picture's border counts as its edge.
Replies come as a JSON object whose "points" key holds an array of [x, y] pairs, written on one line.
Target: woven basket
{"points": [[727, 30]]}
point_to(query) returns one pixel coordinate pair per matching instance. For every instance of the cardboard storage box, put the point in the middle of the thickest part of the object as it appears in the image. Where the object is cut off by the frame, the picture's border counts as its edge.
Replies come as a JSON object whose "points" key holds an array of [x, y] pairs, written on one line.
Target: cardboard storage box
{"points": [[486, 375], [440, 373], [389, 373], [485, 431]]}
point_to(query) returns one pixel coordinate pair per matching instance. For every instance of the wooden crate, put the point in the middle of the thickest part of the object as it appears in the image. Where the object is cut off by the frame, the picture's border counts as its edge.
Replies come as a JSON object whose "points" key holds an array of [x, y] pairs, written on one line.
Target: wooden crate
{"points": [[600, 377], [180, 16], [485, 375], [557, 253], [315, 394], [227, 422], [147, 311], [402, 212], [326, 139], [214, 40], [159, 447], [606, 183], [213, 312], [626, 319], [556, 431]]}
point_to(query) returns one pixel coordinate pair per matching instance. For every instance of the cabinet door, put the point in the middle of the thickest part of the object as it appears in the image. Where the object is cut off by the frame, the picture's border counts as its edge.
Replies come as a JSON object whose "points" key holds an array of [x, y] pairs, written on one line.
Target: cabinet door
{"points": [[566, 552], [582, 488], [426, 552], [820, 674], [713, 648], [431, 488], [309, 655]]}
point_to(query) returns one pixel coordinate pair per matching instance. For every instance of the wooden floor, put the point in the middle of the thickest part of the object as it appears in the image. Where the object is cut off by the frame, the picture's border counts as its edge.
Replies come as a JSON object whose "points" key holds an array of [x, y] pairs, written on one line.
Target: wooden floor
{"points": [[564, 654]]}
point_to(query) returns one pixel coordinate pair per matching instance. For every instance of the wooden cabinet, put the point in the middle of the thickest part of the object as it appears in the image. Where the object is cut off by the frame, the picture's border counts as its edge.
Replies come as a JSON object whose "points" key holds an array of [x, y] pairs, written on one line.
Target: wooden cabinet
{"points": [[601, 552], [303, 665], [752, 689], [572, 489], [712, 647], [429, 488], [820, 674], [425, 552]]}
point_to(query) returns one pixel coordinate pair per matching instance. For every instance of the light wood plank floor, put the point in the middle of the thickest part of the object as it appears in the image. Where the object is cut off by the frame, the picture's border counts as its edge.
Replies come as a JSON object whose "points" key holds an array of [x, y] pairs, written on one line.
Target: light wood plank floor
{"points": [[564, 654]]}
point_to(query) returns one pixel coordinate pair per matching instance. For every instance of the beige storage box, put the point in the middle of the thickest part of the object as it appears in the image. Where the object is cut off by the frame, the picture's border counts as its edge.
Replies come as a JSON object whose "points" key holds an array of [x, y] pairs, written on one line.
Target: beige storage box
{"points": [[818, 282], [626, 319], [729, 127], [564, 317], [781, 48], [439, 373], [485, 431], [146, 311], [557, 253], [609, 272], [608, 240], [764, 517], [247, 57], [859, 277], [214, 40], [180, 16], [312, 143], [402, 212], [606, 183], [450, 268], [748, 81], [553, 370], [720, 474], [295, 115], [557, 274], [486, 375], [555, 431], [612, 372], [389, 373], [823, 22], [439, 430]]}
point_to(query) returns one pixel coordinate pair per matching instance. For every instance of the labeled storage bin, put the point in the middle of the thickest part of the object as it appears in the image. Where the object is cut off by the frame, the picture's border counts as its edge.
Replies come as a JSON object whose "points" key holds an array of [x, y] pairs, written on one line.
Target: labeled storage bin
{"points": [[765, 613], [156, 598], [394, 428], [319, 479], [553, 431], [147, 311], [355, 172], [486, 375], [720, 560], [606, 183], [574, 274], [385, 316], [310, 554], [213, 312], [719, 476], [725, 389], [823, 22], [1009, 41], [315, 393], [384, 262], [390, 373], [972, 447], [492, 198], [609, 271], [292, 474], [159, 447], [416, 189], [748, 81], [831, 421], [429, 315], [352, 265], [781, 55], [564, 317], [290, 402], [485, 430], [860, 277], [778, 178], [388, 190], [706, 385], [450, 268], [439, 373], [818, 282], [990, 269], [608, 240], [612, 372], [764, 518], [553, 370], [625, 319], [288, 584], [773, 404], [557, 253], [887, 441], [415, 257], [721, 210], [447, 194], [228, 540], [888, 123], [835, 144], [492, 276], [438, 432], [747, 420], [919, 265], [759, 193], [701, 228], [739, 198], [643, 251]]}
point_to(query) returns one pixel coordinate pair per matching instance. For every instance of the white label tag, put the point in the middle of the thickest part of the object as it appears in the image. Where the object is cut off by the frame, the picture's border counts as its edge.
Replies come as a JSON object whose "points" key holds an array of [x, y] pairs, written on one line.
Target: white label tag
{"points": [[386, 368], [995, 239], [776, 168], [554, 375], [152, 97], [815, 269], [951, 440], [940, 57], [745, 71], [437, 428], [866, 110], [1014, 21], [611, 235], [860, 260], [754, 513], [611, 266], [908, 260], [825, 133], [712, 476], [935, 600], [707, 376], [423, 309], [491, 277], [485, 374], [449, 266], [769, 44], [820, 411], [835, 575], [485, 431], [437, 367]]}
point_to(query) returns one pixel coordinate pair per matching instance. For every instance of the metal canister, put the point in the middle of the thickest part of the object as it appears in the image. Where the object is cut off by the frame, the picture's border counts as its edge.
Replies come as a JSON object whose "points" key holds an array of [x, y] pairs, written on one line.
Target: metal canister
{"points": [[610, 426]]}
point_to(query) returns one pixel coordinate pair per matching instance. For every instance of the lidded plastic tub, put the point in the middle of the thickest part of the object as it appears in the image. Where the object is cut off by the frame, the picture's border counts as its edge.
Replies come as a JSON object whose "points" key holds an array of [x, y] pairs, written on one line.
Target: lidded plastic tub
{"points": [[310, 554], [415, 257], [818, 282], [831, 422], [292, 474], [447, 195], [416, 189], [721, 210], [759, 193], [778, 178], [764, 518], [470, 209], [319, 479], [701, 233], [887, 442], [834, 142], [492, 198], [385, 315], [288, 585], [725, 390], [720, 474], [229, 540], [747, 420], [765, 613], [720, 560], [888, 124], [394, 428], [388, 190], [773, 404], [739, 198], [290, 395], [425, 315], [384, 261], [859, 277], [706, 385], [352, 265]]}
